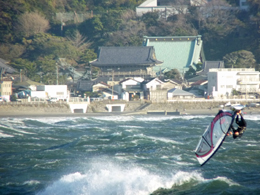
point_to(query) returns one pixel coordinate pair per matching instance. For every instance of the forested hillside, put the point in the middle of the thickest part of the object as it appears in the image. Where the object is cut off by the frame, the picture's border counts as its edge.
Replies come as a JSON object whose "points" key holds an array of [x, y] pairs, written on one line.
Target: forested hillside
{"points": [[32, 37]]}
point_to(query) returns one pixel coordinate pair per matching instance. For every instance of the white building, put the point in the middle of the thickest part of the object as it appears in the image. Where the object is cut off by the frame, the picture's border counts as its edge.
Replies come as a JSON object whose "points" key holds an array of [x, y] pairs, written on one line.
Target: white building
{"points": [[130, 88], [222, 82], [166, 8], [55, 91]]}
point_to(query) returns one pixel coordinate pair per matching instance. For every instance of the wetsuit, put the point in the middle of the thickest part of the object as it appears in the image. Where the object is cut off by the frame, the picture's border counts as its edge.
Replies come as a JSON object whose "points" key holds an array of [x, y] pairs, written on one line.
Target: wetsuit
{"points": [[240, 121]]}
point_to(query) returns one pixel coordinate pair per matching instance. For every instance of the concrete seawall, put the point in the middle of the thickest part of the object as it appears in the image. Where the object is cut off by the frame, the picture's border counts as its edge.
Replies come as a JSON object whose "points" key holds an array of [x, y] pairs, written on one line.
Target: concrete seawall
{"points": [[100, 107]]}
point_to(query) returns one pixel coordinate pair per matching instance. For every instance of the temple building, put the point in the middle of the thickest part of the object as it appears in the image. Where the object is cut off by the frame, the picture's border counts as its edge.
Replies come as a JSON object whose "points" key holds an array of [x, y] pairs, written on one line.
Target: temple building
{"points": [[125, 62]]}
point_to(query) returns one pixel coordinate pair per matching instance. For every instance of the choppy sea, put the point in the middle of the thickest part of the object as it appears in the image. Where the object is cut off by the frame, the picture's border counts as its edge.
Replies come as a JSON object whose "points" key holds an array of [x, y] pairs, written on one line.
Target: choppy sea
{"points": [[123, 155]]}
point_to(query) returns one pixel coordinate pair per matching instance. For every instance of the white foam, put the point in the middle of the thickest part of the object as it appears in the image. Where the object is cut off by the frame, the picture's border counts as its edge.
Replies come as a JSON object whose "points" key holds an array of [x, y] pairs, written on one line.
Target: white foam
{"points": [[5, 135], [31, 182], [113, 178], [252, 117], [10, 128], [163, 140], [226, 180]]}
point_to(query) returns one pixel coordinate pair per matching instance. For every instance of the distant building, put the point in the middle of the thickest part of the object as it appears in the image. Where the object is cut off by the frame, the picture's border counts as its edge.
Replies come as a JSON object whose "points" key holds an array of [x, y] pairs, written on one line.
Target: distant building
{"points": [[176, 52], [222, 82], [130, 88], [179, 94], [4, 68], [119, 63], [99, 86], [165, 8], [203, 74], [55, 91], [6, 89], [124, 62], [207, 65]]}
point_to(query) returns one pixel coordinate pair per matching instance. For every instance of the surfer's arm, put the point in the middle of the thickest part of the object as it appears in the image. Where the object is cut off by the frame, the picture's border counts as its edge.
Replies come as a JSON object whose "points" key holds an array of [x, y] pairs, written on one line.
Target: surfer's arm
{"points": [[231, 127]]}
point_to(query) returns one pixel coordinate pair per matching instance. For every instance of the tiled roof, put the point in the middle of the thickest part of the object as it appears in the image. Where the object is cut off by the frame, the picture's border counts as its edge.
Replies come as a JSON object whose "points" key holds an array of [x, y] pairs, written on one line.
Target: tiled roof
{"points": [[7, 68], [210, 64], [176, 91], [200, 82], [126, 56], [110, 91], [178, 52], [197, 78], [28, 83], [173, 81]]}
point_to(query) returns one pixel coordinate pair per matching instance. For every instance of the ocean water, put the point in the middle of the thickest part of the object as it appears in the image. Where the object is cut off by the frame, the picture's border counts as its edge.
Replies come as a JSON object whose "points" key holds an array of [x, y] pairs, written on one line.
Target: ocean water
{"points": [[123, 155]]}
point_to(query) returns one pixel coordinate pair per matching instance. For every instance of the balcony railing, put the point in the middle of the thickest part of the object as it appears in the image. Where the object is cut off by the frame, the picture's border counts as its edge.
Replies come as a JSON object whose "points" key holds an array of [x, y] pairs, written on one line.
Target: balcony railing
{"points": [[248, 82]]}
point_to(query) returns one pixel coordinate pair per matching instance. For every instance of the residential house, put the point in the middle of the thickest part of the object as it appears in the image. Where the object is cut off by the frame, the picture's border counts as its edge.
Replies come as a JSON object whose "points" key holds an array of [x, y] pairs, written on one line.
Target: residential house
{"points": [[172, 83], [27, 88], [203, 73], [6, 89], [153, 89], [131, 88], [197, 78], [222, 82], [99, 86], [201, 84], [179, 94], [108, 93], [31, 85], [200, 88], [176, 52]]}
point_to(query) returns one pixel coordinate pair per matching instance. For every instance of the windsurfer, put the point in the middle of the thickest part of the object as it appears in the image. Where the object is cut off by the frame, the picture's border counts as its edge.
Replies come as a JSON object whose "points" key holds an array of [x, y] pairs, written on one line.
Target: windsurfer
{"points": [[240, 121]]}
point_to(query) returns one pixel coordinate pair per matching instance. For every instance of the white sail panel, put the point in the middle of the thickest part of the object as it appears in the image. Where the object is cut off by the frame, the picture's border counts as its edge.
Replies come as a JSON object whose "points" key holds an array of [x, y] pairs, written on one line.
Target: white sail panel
{"points": [[213, 136]]}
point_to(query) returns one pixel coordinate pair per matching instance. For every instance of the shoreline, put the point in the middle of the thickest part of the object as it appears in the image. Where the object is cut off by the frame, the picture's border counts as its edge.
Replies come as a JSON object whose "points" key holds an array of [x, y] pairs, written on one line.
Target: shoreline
{"points": [[191, 112]]}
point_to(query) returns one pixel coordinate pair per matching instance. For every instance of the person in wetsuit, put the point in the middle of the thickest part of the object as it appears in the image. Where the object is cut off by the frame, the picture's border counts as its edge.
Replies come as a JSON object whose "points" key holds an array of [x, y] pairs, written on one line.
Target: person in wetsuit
{"points": [[240, 121]]}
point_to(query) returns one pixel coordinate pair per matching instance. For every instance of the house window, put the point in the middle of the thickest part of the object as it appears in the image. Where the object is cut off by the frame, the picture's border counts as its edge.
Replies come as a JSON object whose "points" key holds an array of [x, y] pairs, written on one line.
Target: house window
{"points": [[229, 86], [222, 86]]}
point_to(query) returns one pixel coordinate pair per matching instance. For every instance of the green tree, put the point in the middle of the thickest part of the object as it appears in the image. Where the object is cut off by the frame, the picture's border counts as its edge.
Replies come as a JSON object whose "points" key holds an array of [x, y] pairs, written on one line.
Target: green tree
{"points": [[173, 74], [48, 68], [150, 19], [92, 27], [87, 56], [29, 68], [190, 73], [111, 21], [9, 13], [240, 59], [44, 45]]}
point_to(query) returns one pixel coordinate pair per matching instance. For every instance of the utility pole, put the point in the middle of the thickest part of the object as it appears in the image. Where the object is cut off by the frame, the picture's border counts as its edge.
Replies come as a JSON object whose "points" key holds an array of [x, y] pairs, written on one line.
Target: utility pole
{"points": [[57, 74], [21, 75], [112, 85]]}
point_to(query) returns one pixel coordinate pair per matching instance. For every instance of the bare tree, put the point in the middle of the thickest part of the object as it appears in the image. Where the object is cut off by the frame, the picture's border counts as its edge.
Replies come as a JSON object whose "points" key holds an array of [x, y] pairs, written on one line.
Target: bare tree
{"points": [[9, 51], [78, 40], [31, 23], [218, 16], [132, 32]]}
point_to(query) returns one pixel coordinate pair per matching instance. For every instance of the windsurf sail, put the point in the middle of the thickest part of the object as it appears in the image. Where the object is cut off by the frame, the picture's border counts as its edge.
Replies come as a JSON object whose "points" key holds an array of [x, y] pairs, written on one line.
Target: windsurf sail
{"points": [[214, 135]]}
